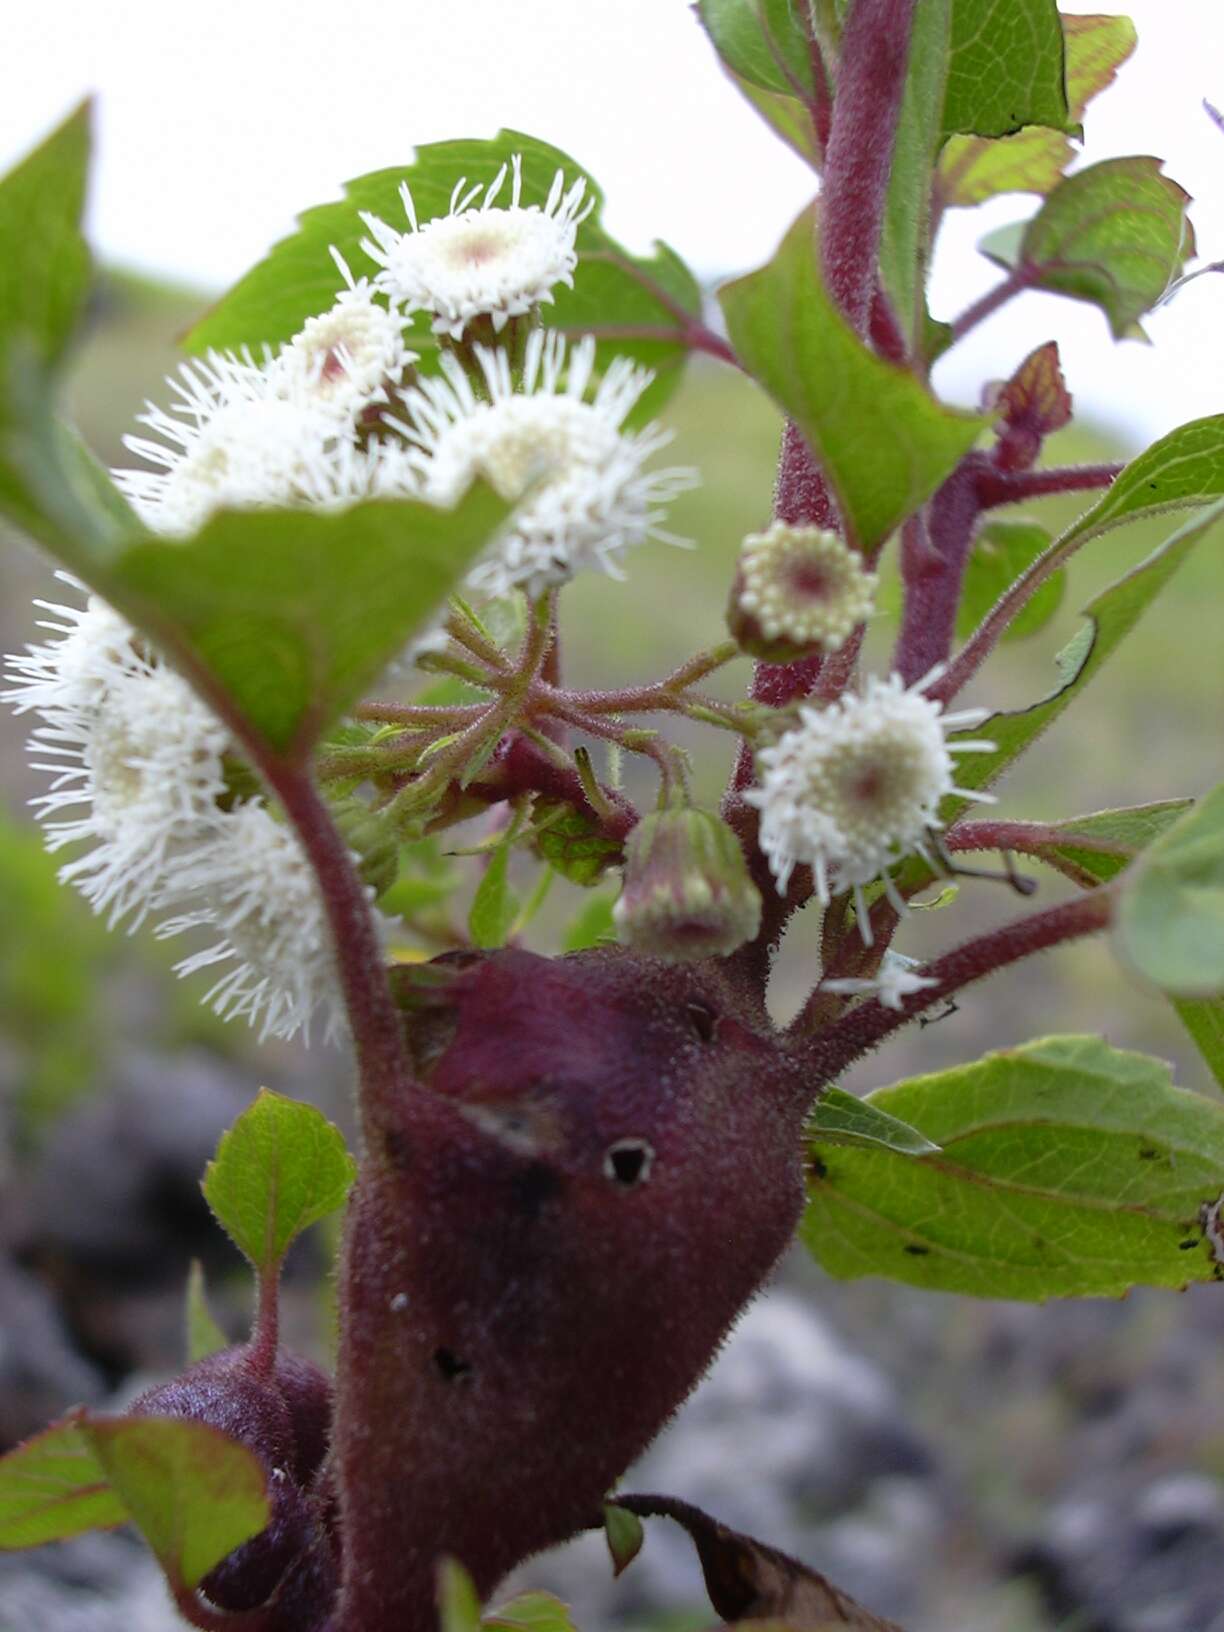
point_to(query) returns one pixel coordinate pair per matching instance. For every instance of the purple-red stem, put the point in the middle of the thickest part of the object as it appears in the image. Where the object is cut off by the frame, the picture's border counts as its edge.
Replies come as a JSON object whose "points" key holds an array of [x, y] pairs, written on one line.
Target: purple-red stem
{"points": [[934, 553], [836, 1047], [995, 486], [1013, 284]]}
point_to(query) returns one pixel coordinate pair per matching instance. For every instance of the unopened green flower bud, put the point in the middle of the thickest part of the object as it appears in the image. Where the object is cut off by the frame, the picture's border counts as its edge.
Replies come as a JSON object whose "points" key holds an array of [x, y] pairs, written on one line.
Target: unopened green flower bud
{"points": [[687, 894], [372, 840], [798, 592]]}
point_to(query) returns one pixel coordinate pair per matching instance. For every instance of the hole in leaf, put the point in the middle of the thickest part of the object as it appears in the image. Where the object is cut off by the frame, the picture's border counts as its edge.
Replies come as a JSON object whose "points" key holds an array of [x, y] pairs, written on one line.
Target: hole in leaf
{"points": [[450, 1365], [628, 1162]]}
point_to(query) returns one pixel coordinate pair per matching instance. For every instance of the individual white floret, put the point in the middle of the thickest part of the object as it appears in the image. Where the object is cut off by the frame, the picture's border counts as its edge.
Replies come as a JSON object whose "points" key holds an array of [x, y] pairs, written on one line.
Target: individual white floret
{"points": [[231, 439], [255, 889], [577, 476], [856, 786], [481, 259], [344, 359], [803, 585], [894, 981]]}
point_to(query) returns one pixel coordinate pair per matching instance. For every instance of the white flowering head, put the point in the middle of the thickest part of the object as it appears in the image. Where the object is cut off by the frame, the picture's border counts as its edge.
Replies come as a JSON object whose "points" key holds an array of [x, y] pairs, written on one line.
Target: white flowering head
{"points": [[577, 476], [798, 591], [344, 360], [72, 674], [231, 440], [856, 786], [254, 888], [482, 259], [894, 981]]}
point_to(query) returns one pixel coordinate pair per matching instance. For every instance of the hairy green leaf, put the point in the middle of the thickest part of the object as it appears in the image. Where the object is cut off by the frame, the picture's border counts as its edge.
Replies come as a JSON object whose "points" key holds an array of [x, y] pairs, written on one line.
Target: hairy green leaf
{"points": [[1181, 470], [494, 903], [1066, 1168], [614, 292], [1115, 234], [193, 1492], [839, 1118], [287, 615], [53, 1486], [1170, 922], [204, 1336], [1001, 552], [1204, 1020], [1006, 68], [883, 441], [1111, 616], [44, 270], [1104, 844], [278, 1170], [458, 1601], [973, 168], [765, 42]]}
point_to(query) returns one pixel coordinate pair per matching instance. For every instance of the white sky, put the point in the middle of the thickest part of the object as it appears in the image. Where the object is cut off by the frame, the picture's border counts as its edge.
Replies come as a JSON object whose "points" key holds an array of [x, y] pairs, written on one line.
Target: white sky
{"points": [[218, 121]]}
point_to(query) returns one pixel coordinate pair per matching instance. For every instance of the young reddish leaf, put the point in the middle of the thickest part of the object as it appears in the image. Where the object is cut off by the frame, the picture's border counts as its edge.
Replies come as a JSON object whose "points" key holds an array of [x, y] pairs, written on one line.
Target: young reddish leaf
{"points": [[750, 1582], [624, 1535], [278, 1170], [54, 1486], [193, 1492], [1115, 234], [884, 443], [1034, 403], [973, 168]]}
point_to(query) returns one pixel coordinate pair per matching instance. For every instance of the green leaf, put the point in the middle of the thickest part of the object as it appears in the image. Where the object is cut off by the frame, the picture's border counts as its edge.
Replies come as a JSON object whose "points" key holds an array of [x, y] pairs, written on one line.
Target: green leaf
{"points": [[1115, 234], [1111, 616], [839, 1118], [458, 1601], [494, 904], [1204, 1020], [1006, 68], [531, 1612], [204, 1336], [973, 169], [1067, 1168], [290, 615], [193, 1492], [278, 1170], [765, 42], [654, 296], [1181, 470], [1103, 844], [1170, 921], [44, 271], [1001, 552], [882, 440], [52, 1487], [624, 1534], [905, 244], [592, 924]]}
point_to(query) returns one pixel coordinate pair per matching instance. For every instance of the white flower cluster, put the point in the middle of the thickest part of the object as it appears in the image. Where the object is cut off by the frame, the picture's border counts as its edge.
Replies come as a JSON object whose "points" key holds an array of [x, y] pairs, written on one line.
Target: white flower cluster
{"points": [[139, 775], [803, 585], [857, 786], [336, 416]]}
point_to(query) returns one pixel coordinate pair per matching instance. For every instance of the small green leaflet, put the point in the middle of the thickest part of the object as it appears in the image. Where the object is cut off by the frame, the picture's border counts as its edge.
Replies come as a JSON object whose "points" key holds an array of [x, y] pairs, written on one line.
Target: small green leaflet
{"points": [[1170, 922], [53, 1486], [1115, 234], [204, 1336], [1066, 1168], [592, 924], [624, 1535], [495, 904], [839, 1118], [278, 1170], [1181, 470], [653, 296], [1093, 849], [530, 1612], [1204, 1020], [883, 441], [193, 1492], [458, 1602], [763, 41]]}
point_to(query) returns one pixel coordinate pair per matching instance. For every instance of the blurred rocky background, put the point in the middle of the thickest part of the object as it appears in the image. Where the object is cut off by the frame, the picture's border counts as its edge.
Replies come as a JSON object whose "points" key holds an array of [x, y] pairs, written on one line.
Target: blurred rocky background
{"points": [[958, 1466]]}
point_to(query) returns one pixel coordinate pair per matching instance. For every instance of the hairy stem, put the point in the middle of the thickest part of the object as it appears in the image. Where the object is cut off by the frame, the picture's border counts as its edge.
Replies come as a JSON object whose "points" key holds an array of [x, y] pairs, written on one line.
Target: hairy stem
{"points": [[829, 1052], [1012, 285], [995, 486], [934, 554]]}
